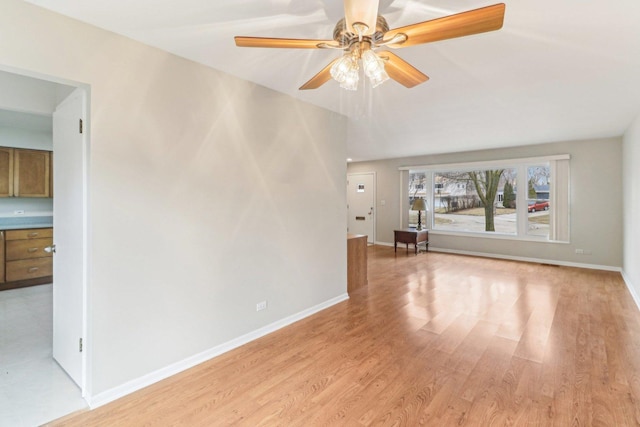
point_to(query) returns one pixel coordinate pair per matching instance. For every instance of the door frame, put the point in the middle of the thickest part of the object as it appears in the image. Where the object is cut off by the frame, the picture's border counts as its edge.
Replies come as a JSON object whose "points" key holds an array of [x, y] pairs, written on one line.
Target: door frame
{"points": [[375, 200], [86, 237]]}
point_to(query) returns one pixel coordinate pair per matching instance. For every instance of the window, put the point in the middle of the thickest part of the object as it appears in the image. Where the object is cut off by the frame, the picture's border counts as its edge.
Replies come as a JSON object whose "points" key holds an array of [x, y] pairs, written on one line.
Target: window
{"points": [[538, 206], [520, 198], [467, 201]]}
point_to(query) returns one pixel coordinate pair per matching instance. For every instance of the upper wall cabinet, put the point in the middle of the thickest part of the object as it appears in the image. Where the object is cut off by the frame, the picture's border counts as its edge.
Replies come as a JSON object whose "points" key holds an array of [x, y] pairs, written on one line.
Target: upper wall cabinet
{"points": [[6, 172], [25, 173], [31, 173]]}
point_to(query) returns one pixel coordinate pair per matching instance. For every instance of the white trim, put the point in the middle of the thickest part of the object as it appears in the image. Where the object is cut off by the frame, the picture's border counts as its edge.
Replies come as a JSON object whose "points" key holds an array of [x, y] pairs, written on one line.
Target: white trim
{"points": [[85, 90], [496, 235], [401, 193], [526, 259], [486, 163], [108, 396], [632, 290], [534, 260]]}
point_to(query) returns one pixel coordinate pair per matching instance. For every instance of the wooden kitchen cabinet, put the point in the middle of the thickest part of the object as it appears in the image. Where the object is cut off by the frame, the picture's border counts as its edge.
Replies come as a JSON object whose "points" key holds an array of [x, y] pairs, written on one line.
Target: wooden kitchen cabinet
{"points": [[1, 256], [25, 259], [25, 173], [31, 170], [6, 172], [51, 174]]}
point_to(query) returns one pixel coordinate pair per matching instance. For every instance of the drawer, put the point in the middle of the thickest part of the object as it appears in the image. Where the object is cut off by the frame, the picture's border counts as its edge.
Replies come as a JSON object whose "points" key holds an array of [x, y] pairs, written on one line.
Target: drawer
{"points": [[29, 269], [25, 249], [34, 233]]}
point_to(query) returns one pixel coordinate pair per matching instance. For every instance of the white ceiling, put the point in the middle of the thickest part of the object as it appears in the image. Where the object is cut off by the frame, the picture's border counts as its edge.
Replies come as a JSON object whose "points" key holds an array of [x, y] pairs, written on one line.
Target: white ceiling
{"points": [[557, 70]]}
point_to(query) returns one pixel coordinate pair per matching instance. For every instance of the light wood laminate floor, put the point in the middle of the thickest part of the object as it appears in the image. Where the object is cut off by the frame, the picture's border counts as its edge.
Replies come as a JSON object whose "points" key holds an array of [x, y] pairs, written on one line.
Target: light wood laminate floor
{"points": [[435, 339]]}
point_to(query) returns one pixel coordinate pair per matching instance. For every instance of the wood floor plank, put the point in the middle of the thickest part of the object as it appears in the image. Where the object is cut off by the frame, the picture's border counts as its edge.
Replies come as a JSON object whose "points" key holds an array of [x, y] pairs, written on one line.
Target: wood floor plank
{"points": [[434, 339]]}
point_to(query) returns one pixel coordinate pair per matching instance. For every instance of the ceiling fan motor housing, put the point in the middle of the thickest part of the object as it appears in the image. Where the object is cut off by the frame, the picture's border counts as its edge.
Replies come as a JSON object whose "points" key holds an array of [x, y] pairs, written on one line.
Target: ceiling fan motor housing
{"points": [[346, 38]]}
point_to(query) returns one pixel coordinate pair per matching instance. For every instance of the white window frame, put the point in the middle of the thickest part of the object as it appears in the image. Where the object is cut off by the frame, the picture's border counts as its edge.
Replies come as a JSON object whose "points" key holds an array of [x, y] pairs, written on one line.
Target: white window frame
{"points": [[559, 196]]}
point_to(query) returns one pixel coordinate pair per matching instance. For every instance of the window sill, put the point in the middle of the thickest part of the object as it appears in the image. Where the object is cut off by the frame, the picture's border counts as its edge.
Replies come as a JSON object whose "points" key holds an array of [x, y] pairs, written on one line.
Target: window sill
{"points": [[500, 236]]}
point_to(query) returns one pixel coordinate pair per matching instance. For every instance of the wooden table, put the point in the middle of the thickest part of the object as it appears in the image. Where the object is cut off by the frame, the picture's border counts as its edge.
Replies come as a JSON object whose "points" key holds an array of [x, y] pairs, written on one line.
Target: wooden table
{"points": [[411, 235]]}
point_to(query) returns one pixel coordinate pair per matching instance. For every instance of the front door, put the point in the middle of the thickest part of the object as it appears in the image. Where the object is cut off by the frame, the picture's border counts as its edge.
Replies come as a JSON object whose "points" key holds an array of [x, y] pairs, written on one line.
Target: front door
{"points": [[360, 204], [68, 234]]}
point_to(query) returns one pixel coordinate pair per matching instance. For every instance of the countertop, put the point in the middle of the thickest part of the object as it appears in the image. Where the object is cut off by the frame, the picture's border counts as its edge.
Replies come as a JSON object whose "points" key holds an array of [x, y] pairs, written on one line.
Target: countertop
{"points": [[18, 223]]}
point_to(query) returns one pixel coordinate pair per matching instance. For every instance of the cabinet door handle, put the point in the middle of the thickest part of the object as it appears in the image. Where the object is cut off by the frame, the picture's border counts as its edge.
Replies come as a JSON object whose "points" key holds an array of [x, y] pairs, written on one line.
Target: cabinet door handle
{"points": [[32, 235], [32, 250], [33, 269]]}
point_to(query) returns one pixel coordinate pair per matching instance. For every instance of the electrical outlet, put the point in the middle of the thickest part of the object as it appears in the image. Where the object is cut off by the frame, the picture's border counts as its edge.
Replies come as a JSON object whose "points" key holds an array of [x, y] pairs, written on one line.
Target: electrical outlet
{"points": [[580, 251], [261, 306]]}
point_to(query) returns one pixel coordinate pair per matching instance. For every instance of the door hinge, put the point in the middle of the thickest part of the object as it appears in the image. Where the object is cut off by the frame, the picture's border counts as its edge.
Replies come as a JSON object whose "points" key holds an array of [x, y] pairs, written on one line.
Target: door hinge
{"points": [[80, 125], [80, 345]]}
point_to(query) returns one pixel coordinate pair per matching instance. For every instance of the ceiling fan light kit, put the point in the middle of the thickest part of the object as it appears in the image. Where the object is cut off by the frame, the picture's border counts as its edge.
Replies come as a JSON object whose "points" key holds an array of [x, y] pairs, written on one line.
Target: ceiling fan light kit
{"points": [[346, 69], [363, 30], [374, 68]]}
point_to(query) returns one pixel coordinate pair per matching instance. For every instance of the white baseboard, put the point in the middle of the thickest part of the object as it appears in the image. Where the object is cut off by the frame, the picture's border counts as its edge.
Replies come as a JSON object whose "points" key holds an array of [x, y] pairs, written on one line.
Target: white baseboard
{"points": [[631, 288], [526, 259], [153, 377], [517, 258]]}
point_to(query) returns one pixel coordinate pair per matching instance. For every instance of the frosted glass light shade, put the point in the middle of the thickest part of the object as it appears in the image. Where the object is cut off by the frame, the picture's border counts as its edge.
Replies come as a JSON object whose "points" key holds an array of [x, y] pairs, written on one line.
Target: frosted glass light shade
{"points": [[374, 68], [351, 80], [340, 69], [345, 71]]}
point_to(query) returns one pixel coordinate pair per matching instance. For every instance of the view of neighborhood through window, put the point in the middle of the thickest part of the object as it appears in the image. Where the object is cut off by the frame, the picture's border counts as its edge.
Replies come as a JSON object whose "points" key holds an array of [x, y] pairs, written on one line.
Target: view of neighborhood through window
{"points": [[484, 201], [538, 179]]}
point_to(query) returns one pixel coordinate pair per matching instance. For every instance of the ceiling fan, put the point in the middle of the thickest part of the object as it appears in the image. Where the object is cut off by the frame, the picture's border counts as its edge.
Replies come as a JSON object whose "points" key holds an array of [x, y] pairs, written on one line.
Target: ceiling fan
{"points": [[362, 31]]}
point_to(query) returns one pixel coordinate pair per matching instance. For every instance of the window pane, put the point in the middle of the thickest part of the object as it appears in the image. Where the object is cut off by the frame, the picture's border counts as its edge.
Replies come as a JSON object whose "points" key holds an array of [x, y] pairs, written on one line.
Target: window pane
{"points": [[417, 188], [538, 206], [475, 201]]}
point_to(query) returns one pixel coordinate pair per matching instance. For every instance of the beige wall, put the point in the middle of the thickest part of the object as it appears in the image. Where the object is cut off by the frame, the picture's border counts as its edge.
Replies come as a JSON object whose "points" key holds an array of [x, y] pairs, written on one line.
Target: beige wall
{"points": [[596, 202], [631, 183], [208, 194]]}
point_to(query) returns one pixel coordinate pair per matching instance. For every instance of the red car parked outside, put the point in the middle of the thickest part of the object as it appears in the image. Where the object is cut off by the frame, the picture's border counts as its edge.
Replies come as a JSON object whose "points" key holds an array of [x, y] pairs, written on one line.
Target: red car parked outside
{"points": [[538, 205]]}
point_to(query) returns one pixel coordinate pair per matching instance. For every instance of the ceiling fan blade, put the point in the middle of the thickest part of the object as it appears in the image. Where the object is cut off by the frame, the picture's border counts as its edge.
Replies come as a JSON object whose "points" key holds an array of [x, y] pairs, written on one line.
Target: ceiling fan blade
{"points": [[362, 11], [242, 41], [475, 21], [401, 71], [319, 79]]}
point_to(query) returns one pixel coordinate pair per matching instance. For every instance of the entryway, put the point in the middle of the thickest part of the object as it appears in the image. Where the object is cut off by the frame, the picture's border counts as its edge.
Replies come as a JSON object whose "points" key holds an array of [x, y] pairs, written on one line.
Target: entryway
{"points": [[43, 329], [361, 197]]}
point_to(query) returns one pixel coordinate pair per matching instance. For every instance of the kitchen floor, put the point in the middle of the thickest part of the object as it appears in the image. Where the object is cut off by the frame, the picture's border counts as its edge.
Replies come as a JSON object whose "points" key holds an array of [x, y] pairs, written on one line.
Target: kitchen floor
{"points": [[33, 387]]}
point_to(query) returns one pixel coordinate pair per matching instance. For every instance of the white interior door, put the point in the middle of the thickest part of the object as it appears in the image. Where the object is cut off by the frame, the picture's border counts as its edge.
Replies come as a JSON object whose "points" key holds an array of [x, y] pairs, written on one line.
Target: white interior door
{"points": [[361, 204], [68, 234]]}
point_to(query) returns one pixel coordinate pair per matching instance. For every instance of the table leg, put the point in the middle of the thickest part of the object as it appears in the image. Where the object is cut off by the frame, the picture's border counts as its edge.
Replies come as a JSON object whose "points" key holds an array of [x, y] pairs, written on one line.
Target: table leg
{"points": [[416, 248], [395, 246]]}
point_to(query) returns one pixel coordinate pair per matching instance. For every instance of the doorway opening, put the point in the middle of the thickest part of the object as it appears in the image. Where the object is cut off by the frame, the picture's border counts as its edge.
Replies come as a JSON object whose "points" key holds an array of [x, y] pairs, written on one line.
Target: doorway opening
{"points": [[46, 363]]}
